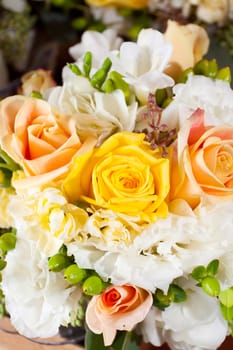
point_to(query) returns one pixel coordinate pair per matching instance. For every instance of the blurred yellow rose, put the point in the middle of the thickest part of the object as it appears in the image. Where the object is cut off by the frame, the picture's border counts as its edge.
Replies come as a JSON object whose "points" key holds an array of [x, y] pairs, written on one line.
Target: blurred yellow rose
{"points": [[190, 43], [134, 4], [204, 166], [124, 175]]}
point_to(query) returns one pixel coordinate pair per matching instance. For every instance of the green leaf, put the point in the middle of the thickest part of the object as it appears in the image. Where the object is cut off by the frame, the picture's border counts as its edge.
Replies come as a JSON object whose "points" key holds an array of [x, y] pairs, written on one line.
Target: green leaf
{"points": [[160, 300], [212, 267], [94, 341], [126, 341], [226, 297], [176, 293]]}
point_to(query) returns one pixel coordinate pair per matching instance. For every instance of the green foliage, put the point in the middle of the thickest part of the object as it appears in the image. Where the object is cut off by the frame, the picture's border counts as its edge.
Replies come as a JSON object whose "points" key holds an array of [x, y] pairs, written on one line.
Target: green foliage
{"points": [[123, 341], [175, 294], [7, 167]]}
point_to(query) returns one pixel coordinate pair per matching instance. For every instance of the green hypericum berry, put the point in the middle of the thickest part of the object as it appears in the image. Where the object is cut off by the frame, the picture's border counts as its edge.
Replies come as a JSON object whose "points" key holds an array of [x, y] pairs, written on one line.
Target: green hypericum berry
{"points": [[58, 262], [211, 286], [224, 74], [226, 297], [212, 68], [74, 274], [87, 63], [202, 67], [7, 241], [92, 285], [199, 273], [212, 267], [227, 312], [184, 75]]}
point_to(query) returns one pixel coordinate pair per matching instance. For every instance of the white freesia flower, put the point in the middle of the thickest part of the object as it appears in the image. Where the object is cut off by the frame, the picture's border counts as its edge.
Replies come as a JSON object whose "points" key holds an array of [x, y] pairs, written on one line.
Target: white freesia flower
{"points": [[93, 111], [46, 217], [14, 5], [38, 301], [196, 324], [214, 96], [142, 63], [99, 44]]}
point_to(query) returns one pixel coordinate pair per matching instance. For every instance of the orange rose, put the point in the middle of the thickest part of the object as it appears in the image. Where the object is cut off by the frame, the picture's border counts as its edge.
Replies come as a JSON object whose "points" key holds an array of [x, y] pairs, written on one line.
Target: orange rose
{"points": [[38, 80], [118, 308], [41, 142], [204, 162]]}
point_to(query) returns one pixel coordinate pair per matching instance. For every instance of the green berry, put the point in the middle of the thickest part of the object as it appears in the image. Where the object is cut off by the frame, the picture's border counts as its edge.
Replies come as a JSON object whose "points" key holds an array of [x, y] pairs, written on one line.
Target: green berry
{"points": [[7, 241], [184, 75], [212, 68], [58, 262], [93, 285], [74, 274], [160, 96], [224, 74], [2, 264], [202, 67], [211, 286]]}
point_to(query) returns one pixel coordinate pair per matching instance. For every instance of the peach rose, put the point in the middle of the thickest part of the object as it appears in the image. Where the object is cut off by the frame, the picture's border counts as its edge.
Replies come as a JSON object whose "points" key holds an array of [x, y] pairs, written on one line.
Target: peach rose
{"points": [[190, 43], [204, 162], [118, 308], [134, 4], [41, 142], [38, 80]]}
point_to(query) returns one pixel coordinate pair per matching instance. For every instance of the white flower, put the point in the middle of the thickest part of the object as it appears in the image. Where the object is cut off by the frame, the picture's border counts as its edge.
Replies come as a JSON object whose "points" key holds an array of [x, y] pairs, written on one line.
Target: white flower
{"points": [[14, 5], [93, 111], [142, 63], [99, 44], [108, 15], [46, 217], [211, 11], [214, 96], [38, 301], [196, 324]]}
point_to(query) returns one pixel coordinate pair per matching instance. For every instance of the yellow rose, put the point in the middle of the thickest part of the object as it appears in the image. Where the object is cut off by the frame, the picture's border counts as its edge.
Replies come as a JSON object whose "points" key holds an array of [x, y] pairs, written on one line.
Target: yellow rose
{"points": [[134, 4], [124, 175], [190, 43]]}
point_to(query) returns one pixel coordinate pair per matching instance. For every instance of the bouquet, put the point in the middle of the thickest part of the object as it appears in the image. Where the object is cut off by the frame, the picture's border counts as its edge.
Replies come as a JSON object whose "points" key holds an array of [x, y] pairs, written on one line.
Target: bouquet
{"points": [[116, 194]]}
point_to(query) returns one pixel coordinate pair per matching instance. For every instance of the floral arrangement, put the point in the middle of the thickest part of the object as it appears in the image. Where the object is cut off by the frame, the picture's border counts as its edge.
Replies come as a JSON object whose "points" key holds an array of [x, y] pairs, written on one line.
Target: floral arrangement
{"points": [[116, 194]]}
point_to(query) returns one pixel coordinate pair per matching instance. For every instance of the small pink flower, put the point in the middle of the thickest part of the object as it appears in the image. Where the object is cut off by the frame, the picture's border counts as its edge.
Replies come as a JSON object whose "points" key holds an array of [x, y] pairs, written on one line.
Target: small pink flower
{"points": [[118, 308]]}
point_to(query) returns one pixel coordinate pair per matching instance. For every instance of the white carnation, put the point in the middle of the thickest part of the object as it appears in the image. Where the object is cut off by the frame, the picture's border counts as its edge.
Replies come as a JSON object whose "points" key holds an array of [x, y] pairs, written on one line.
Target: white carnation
{"points": [[215, 97], [38, 301]]}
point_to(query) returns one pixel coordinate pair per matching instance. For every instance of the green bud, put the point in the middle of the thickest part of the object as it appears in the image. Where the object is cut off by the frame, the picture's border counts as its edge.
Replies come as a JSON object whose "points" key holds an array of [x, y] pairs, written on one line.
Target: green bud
{"points": [[2, 264], [36, 94], [211, 286], [184, 75], [120, 84], [98, 78], [79, 23], [226, 297], [92, 285], [74, 68], [58, 262], [202, 67], [107, 64], [87, 63], [224, 74], [7, 241], [108, 86], [74, 274]]}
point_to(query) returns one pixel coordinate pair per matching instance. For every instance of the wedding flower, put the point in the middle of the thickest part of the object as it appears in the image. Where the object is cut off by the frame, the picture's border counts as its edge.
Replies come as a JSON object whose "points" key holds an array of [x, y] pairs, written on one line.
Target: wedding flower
{"points": [[36, 81], [205, 161], [39, 301], [118, 308], [123, 175], [5, 218], [38, 140]]}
